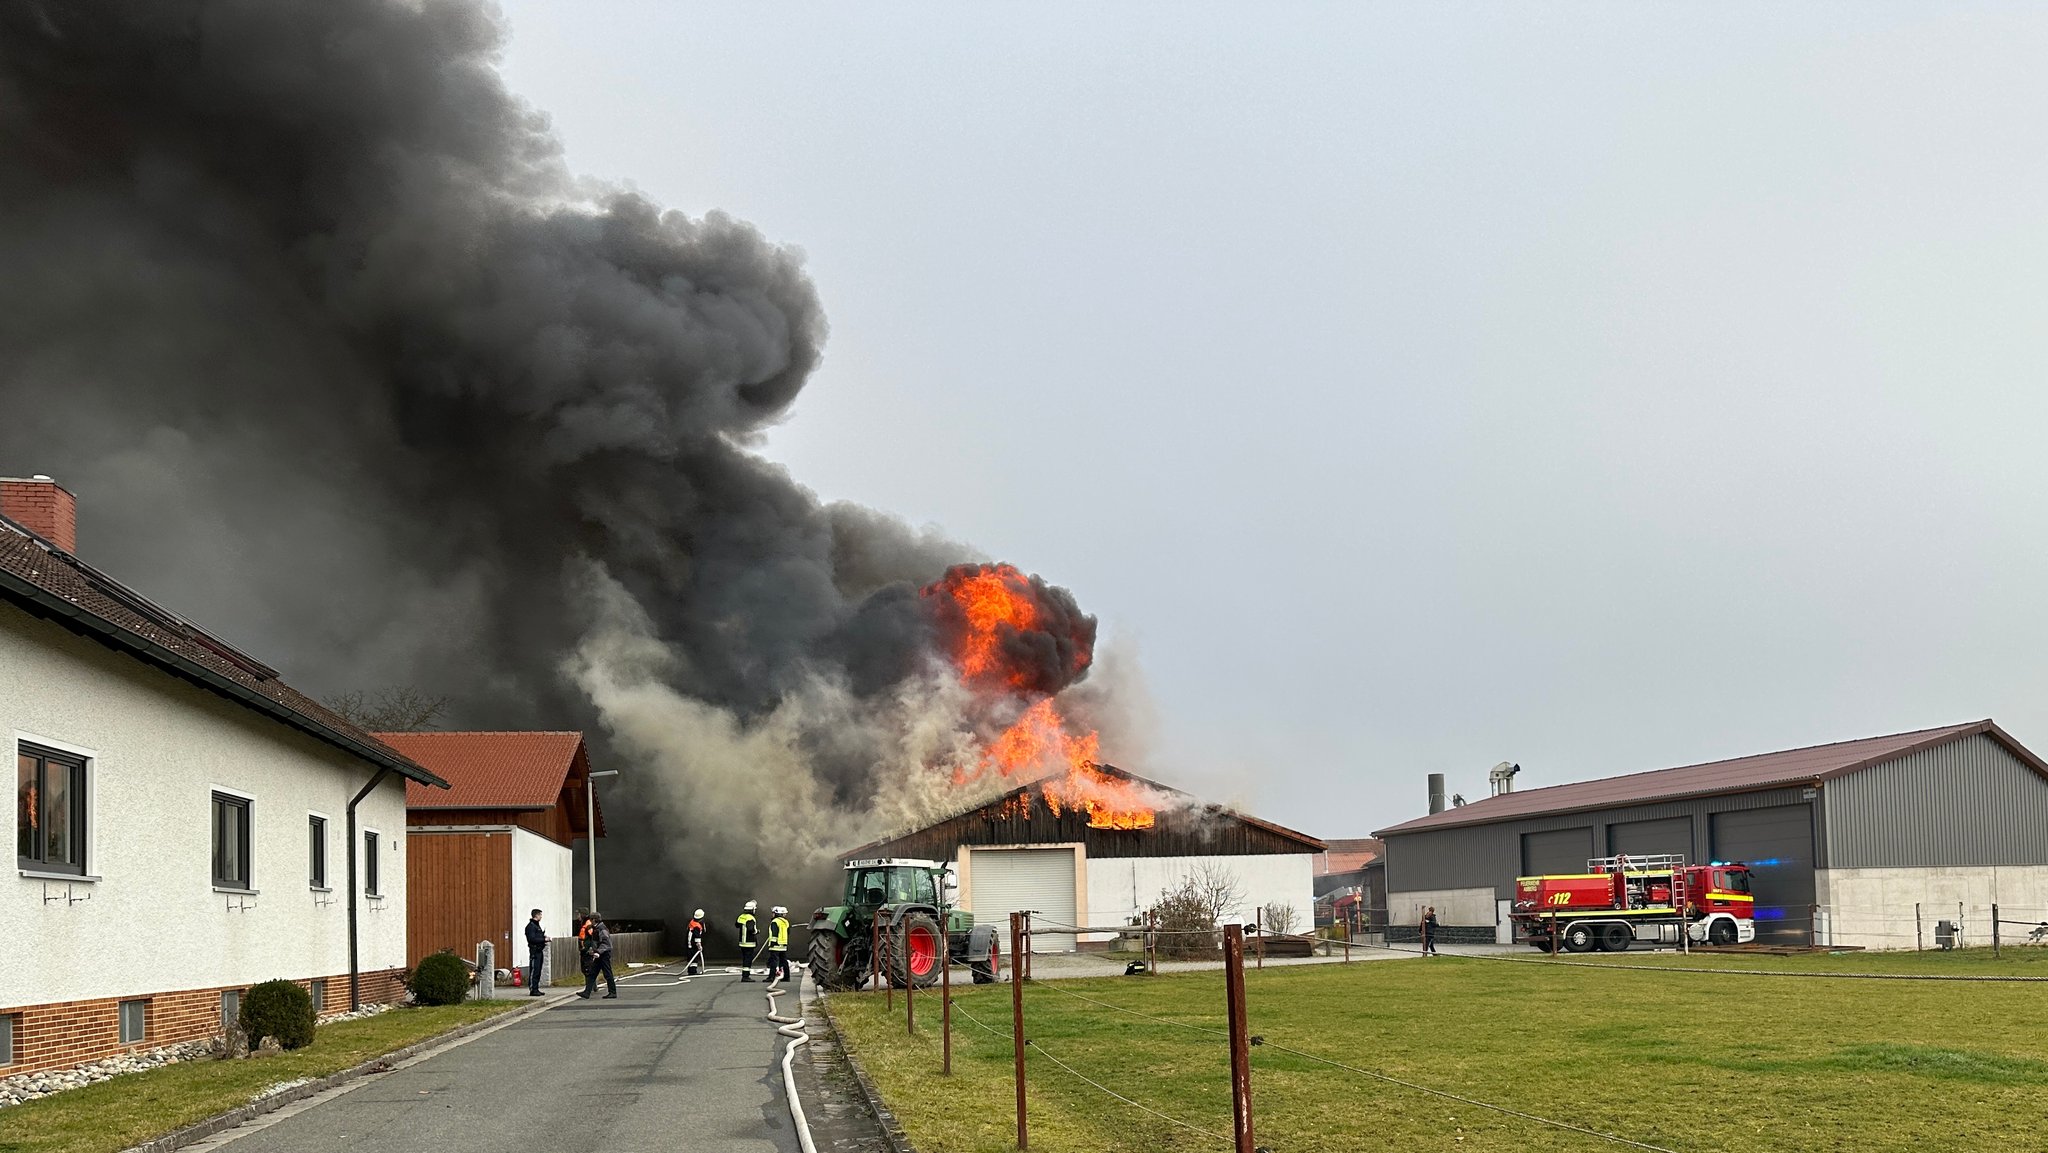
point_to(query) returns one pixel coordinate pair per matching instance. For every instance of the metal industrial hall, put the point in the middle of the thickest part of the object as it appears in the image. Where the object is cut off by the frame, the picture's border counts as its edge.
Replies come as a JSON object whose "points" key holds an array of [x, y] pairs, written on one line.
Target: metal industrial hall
{"points": [[1866, 843]]}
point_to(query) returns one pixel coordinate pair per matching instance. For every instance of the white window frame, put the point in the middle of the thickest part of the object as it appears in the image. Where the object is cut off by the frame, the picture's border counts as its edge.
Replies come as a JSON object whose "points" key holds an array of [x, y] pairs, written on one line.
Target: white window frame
{"points": [[376, 840], [254, 837], [142, 1032], [326, 882], [91, 757]]}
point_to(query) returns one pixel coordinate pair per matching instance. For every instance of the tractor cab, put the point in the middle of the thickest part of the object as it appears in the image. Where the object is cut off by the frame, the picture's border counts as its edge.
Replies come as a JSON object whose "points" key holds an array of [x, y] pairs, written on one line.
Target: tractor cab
{"points": [[872, 884], [901, 918]]}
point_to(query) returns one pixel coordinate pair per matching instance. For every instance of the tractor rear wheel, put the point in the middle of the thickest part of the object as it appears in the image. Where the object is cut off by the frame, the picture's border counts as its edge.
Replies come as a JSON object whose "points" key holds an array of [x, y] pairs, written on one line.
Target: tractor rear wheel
{"points": [[1578, 939], [984, 970], [827, 951], [913, 951]]}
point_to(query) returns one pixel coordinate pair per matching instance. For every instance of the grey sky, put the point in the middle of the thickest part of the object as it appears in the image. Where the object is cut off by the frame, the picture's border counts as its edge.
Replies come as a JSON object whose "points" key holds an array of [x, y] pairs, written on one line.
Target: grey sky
{"points": [[1602, 389]]}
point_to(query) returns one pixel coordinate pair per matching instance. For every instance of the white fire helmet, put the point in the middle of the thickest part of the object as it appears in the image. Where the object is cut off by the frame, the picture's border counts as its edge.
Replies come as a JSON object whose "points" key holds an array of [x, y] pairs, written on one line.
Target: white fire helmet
{"points": [[699, 913], [749, 906], [779, 911]]}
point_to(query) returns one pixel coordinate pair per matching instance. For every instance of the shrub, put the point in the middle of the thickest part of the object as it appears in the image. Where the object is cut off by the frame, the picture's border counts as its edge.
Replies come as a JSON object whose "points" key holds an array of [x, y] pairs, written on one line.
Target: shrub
{"points": [[441, 979], [277, 1009], [1189, 912]]}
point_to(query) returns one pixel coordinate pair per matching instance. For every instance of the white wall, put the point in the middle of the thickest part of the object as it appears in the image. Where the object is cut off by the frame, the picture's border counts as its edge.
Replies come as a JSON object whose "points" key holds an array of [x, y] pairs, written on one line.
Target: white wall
{"points": [[542, 878], [159, 746], [1453, 906], [1119, 888], [1873, 908]]}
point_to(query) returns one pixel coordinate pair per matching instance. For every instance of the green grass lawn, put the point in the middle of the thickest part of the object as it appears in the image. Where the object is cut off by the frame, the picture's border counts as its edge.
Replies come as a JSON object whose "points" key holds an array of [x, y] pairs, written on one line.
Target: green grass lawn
{"points": [[1687, 1061], [113, 1115]]}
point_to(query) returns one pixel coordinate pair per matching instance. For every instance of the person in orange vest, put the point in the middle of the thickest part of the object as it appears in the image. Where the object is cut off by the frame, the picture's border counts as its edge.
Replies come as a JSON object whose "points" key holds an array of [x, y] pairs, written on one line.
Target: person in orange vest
{"points": [[693, 942]]}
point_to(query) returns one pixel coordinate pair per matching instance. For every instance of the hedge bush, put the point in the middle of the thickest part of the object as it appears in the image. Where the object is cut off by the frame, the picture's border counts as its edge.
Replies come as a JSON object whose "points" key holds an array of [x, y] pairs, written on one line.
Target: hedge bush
{"points": [[277, 1009], [441, 979]]}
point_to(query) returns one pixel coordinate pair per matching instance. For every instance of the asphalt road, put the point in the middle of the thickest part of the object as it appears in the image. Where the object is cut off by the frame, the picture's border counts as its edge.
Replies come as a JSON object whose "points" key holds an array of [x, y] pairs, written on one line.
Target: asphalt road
{"points": [[669, 1065]]}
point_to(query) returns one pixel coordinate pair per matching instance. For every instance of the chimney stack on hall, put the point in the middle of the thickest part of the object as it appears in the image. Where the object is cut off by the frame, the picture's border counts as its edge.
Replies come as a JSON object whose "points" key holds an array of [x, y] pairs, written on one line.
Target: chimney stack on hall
{"points": [[43, 507], [1436, 792]]}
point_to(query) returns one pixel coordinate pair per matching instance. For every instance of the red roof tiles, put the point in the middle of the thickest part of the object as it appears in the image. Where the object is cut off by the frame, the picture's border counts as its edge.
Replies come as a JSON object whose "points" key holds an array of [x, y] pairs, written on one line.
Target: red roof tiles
{"points": [[1817, 763], [492, 770]]}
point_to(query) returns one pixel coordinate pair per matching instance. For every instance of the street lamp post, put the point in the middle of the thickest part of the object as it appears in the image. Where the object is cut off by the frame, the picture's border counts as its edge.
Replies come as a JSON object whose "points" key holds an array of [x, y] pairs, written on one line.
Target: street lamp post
{"points": [[590, 827]]}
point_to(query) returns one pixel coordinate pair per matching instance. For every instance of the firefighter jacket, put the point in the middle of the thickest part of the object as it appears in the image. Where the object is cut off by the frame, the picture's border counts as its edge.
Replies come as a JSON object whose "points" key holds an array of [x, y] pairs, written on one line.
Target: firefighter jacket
{"points": [[778, 935], [746, 924], [695, 934]]}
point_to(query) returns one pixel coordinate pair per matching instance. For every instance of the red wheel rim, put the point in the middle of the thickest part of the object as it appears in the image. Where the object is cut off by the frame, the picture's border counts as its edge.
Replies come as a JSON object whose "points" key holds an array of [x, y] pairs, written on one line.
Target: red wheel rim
{"points": [[924, 950]]}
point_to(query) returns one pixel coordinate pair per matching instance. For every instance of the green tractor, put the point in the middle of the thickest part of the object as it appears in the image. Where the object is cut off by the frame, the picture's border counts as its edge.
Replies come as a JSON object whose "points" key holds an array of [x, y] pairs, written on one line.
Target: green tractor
{"points": [[911, 901]]}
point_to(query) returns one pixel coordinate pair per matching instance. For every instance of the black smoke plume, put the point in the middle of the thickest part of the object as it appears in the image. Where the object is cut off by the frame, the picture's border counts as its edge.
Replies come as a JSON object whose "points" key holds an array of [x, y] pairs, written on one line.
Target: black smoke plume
{"points": [[345, 364]]}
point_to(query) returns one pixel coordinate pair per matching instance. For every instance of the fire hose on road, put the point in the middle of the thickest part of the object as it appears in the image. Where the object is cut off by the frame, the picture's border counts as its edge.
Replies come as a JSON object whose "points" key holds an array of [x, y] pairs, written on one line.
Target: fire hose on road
{"points": [[792, 1028]]}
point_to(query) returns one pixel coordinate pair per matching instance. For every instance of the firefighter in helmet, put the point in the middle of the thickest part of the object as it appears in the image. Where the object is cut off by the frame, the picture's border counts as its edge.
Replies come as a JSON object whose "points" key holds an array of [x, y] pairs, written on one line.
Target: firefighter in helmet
{"points": [[746, 924], [778, 945], [693, 946]]}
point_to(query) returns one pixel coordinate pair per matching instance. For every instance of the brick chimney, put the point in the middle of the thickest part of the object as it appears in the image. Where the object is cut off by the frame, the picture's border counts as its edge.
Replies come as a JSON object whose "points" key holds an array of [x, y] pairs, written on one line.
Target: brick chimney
{"points": [[43, 507]]}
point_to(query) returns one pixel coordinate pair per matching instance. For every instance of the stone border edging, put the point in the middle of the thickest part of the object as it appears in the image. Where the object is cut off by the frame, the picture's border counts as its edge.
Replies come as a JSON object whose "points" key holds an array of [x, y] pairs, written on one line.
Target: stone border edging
{"points": [[891, 1129], [199, 1131]]}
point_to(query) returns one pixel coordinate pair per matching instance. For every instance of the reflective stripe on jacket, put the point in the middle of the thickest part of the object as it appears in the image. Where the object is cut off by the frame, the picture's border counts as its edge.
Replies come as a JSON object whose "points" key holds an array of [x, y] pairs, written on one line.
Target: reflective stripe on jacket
{"points": [[746, 924], [778, 935]]}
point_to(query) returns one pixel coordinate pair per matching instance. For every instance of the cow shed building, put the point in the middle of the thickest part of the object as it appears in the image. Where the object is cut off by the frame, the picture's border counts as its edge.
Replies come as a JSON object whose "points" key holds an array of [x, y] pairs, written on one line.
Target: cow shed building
{"points": [[1015, 852], [1860, 843]]}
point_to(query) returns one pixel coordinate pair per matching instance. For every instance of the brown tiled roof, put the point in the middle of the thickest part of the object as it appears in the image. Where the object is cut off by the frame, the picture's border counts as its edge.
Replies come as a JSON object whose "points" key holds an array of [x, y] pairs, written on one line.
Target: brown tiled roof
{"points": [[511, 770], [1348, 855], [1813, 765], [53, 584]]}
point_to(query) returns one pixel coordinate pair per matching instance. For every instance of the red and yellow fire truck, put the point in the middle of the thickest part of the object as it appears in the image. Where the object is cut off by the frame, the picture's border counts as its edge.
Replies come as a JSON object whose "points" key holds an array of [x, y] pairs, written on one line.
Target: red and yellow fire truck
{"points": [[1621, 900]]}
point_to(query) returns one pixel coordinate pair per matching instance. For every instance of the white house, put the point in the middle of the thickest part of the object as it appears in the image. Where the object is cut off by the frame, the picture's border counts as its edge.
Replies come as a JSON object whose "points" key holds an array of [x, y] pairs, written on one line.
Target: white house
{"points": [[182, 818]]}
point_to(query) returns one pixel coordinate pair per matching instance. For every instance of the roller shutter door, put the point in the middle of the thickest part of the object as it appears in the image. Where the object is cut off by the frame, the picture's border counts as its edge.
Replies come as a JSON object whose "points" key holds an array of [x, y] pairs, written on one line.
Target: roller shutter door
{"points": [[1643, 838], [1002, 881], [1777, 844], [1557, 851]]}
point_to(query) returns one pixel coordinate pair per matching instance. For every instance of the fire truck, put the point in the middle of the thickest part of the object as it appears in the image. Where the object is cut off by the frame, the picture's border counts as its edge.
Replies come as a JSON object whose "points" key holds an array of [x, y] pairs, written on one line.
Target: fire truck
{"points": [[1621, 900]]}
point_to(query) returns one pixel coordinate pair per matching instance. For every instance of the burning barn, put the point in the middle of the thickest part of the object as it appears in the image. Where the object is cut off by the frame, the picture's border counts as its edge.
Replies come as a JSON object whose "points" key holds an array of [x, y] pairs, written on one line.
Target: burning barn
{"points": [[1097, 847]]}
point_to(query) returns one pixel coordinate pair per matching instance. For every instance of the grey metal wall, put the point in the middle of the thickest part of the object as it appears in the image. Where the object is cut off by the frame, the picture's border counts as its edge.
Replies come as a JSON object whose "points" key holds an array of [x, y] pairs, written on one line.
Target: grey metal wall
{"points": [[1777, 843], [1479, 856], [1556, 851], [1968, 802], [1647, 838]]}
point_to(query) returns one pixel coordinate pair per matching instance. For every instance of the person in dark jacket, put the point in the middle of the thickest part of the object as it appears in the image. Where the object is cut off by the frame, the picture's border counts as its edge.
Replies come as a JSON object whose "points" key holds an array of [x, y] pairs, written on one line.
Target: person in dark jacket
{"points": [[600, 940], [536, 951], [693, 943], [1429, 931]]}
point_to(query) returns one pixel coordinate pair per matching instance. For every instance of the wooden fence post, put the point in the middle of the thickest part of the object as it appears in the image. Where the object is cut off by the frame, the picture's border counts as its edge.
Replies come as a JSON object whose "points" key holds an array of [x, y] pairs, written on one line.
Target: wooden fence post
{"points": [[1994, 928], [1017, 1023], [909, 986], [1240, 1039], [946, 1007]]}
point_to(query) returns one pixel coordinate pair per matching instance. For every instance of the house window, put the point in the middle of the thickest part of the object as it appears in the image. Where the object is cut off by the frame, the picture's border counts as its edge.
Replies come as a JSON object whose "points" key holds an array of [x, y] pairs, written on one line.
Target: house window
{"points": [[7, 1039], [230, 841], [230, 1008], [134, 1021], [316, 852], [370, 887], [49, 810], [319, 992]]}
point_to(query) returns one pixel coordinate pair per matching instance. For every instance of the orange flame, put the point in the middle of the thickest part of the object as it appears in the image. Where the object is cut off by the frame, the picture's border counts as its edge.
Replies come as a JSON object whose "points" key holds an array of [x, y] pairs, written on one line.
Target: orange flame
{"points": [[997, 606]]}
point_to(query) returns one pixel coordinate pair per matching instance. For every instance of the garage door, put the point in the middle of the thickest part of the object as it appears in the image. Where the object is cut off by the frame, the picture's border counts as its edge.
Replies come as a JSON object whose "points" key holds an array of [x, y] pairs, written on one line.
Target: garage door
{"points": [[1557, 851], [1644, 838], [1777, 844], [1003, 881]]}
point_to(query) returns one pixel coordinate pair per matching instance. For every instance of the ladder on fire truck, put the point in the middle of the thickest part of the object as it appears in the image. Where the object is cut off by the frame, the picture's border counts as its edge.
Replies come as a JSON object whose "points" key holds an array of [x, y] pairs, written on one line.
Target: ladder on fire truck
{"points": [[1671, 863]]}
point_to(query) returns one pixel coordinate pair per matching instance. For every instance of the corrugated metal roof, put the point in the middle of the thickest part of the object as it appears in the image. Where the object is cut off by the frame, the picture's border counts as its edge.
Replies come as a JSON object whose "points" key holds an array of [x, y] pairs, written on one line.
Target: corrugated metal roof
{"points": [[504, 770], [54, 584], [1817, 763]]}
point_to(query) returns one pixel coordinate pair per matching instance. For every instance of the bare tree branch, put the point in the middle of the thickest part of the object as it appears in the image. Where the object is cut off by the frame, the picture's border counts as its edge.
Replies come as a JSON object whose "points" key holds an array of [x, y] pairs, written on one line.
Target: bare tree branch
{"points": [[398, 709]]}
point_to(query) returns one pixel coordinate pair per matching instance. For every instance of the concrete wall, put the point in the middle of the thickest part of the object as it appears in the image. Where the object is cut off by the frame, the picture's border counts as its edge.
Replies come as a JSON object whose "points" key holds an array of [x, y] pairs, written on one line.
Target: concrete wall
{"points": [[1874, 908], [542, 878], [1471, 906], [1119, 888], [151, 921]]}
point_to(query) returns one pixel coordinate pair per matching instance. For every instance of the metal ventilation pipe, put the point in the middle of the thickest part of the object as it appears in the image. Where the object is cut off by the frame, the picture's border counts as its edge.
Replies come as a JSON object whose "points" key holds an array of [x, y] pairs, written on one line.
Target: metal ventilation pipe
{"points": [[1436, 792]]}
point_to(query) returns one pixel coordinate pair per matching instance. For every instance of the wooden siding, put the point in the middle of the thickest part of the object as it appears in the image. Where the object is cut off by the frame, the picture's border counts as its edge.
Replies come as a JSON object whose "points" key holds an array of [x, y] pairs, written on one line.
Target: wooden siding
{"points": [[458, 891], [1024, 819]]}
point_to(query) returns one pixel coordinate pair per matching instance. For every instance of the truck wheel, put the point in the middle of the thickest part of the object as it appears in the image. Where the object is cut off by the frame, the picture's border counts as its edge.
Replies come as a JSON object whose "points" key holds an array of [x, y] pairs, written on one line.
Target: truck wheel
{"points": [[1615, 938], [1721, 933], [1578, 939], [984, 970], [914, 951], [825, 958]]}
